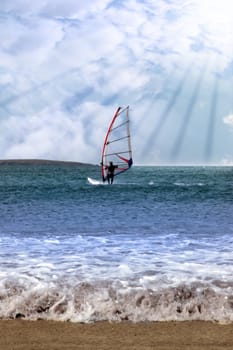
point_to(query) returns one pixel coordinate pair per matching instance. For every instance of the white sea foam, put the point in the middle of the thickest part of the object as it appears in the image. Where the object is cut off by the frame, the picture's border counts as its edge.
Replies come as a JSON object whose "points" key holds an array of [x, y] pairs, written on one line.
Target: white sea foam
{"points": [[52, 241], [117, 278], [114, 256], [87, 302]]}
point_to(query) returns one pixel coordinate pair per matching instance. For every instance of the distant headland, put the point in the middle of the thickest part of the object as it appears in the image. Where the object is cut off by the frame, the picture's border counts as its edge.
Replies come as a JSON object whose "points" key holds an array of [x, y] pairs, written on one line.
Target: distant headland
{"points": [[41, 162]]}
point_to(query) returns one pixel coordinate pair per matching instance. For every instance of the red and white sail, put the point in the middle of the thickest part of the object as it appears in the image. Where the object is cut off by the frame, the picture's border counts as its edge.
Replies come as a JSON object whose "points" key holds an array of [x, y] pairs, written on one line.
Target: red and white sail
{"points": [[117, 143]]}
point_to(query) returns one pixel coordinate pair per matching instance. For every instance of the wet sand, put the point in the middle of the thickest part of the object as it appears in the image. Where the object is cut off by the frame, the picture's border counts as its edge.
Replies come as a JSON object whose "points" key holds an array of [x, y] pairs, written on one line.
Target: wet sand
{"points": [[49, 335]]}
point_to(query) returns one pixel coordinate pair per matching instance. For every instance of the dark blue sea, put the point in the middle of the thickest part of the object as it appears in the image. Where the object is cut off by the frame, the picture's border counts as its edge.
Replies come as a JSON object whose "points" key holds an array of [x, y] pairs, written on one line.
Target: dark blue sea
{"points": [[156, 245]]}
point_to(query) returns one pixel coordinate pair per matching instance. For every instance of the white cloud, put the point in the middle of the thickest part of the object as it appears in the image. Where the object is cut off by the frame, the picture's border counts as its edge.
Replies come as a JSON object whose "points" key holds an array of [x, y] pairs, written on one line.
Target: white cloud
{"points": [[79, 59], [5, 78], [46, 135], [228, 120]]}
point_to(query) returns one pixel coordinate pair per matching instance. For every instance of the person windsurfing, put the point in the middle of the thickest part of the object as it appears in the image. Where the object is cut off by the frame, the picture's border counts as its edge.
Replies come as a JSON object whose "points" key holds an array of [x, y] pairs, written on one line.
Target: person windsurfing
{"points": [[110, 172]]}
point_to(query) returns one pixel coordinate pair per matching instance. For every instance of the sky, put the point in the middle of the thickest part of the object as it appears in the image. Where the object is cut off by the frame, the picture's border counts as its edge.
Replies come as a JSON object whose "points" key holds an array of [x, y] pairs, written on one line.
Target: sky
{"points": [[65, 66]]}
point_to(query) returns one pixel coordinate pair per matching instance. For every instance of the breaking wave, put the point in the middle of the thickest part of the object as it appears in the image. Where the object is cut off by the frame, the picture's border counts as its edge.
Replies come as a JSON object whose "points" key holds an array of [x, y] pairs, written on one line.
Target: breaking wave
{"points": [[114, 301]]}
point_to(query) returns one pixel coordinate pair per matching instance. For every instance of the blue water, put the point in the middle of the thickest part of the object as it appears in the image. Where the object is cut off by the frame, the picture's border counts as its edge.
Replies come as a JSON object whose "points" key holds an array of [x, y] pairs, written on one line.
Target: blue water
{"points": [[155, 245]]}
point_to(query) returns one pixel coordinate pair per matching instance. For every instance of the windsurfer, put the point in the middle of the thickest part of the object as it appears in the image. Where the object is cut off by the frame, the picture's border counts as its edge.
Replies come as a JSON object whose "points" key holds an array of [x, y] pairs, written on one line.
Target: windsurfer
{"points": [[110, 174], [130, 162]]}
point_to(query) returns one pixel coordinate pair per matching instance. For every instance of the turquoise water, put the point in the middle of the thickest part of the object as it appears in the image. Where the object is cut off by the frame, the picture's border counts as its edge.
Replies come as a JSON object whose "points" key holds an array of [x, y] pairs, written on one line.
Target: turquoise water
{"points": [[156, 245]]}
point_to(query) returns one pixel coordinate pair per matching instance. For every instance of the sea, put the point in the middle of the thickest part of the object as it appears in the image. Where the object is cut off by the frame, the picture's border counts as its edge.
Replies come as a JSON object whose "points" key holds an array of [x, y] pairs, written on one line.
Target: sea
{"points": [[157, 245]]}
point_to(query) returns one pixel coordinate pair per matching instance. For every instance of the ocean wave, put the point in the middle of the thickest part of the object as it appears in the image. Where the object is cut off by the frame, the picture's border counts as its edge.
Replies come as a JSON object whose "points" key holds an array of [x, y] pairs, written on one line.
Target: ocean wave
{"points": [[113, 301]]}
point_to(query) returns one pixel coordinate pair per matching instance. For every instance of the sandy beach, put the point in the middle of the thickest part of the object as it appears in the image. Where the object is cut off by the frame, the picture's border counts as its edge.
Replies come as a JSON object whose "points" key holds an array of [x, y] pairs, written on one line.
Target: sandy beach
{"points": [[49, 335]]}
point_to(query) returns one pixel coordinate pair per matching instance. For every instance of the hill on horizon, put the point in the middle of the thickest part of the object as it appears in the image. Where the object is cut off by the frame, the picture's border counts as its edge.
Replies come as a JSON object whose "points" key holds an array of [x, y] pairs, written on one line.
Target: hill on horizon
{"points": [[41, 162]]}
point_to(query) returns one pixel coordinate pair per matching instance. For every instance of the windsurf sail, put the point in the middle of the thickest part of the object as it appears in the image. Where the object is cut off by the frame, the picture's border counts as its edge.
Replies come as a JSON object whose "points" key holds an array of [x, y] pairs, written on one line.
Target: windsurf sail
{"points": [[117, 144]]}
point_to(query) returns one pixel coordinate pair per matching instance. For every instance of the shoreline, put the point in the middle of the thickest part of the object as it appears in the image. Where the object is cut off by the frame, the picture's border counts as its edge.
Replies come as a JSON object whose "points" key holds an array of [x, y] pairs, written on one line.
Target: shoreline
{"points": [[51, 335]]}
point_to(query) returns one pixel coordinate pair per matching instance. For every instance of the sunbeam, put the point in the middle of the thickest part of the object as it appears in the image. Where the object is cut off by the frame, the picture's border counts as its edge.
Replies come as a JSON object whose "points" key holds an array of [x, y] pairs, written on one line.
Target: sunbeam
{"points": [[166, 113], [212, 120], [188, 114]]}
